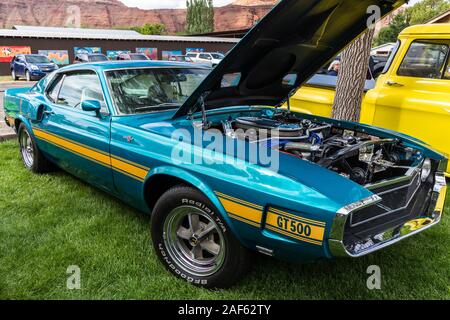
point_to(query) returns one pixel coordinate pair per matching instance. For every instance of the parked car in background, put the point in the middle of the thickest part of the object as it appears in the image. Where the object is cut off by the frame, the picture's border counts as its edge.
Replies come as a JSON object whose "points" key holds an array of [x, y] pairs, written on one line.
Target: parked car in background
{"points": [[90, 57], [207, 58], [31, 66], [181, 59], [189, 146], [412, 95], [132, 56]]}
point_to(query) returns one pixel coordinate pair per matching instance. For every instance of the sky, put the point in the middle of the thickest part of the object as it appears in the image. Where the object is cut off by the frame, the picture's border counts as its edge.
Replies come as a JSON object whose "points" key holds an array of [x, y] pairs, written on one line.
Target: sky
{"points": [[153, 4]]}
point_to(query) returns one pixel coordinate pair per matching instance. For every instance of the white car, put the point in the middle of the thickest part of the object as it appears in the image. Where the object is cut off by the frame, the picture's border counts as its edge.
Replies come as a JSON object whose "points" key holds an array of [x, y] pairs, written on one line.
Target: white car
{"points": [[211, 59]]}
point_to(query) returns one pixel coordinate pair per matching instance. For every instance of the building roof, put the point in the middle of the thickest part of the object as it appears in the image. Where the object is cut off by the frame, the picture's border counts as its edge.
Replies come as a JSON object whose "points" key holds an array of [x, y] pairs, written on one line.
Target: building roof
{"points": [[79, 31], [438, 28], [99, 34], [440, 17], [112, 65]]}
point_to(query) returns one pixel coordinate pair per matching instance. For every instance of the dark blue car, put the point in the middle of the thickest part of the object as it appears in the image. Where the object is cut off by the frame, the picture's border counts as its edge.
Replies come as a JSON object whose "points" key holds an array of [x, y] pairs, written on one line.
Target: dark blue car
{"points": [[31, 66]]}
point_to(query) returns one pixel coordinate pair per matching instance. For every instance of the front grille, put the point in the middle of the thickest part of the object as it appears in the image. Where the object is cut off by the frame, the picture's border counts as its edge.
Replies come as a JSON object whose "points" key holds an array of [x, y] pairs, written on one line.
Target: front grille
{"points": [[395, 198], [401, 202]]}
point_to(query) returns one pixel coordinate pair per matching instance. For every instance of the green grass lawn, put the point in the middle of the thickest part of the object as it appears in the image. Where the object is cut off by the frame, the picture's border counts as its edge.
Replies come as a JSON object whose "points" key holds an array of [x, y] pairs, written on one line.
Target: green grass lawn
{"points": [[49, 222], [5, 78]]}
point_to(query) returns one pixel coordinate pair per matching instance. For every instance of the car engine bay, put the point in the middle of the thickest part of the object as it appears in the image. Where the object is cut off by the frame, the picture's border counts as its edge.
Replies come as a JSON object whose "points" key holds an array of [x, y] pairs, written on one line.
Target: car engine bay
{"points": [[358, 156]]}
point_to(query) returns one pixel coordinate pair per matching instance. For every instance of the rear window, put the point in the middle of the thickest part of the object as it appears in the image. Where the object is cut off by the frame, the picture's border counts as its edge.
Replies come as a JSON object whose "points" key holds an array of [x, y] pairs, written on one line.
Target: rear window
{"points": [[425, 59]]}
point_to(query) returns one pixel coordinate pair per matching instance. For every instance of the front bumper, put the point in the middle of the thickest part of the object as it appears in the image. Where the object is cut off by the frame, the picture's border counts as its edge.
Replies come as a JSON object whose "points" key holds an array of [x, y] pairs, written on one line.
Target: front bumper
{"points": [[341, 247], [40, 73]]}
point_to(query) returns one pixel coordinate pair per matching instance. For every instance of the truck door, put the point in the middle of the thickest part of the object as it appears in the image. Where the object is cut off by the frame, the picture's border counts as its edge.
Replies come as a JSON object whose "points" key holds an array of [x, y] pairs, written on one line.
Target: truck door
{"points": [[414, 96]]}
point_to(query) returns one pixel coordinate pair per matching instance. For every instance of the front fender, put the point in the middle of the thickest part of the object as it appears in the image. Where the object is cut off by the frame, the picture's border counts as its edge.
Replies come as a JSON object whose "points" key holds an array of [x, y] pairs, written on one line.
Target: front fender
{"points": [[199, 184]]}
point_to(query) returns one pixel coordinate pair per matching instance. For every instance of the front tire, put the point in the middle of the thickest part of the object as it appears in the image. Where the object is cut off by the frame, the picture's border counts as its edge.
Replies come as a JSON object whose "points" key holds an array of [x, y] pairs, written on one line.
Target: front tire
{"points": [[13, 75], [32, 157], [28, 76], [193, 241]]}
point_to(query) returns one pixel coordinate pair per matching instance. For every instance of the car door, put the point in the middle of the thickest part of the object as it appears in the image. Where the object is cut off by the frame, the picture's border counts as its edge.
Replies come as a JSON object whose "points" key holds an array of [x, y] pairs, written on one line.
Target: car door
{"points": [[206, 59], [20, 65], [414, 97], [79, 141]]}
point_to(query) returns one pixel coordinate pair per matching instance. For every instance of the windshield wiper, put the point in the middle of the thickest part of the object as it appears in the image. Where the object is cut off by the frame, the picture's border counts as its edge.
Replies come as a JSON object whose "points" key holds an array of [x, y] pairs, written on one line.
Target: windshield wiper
{"points": [[159, 107]]}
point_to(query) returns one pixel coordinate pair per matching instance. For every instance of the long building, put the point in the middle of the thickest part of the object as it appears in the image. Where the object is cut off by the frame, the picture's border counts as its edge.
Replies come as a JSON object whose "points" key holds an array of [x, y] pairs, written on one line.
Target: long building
{"points": [[61, 44]]}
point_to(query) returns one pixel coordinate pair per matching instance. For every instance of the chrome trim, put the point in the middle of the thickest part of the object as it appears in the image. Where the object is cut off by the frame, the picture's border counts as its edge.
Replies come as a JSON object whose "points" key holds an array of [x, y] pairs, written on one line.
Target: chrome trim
{"points": [[337, 229], [388, 237], [267, 252], [389, 210], [385, 183]]}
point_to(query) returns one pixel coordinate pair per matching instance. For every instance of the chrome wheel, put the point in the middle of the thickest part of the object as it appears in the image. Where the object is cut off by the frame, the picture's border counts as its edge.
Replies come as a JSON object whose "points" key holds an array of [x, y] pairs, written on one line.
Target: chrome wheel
{"points": [[28, 76], [194, 241], [13, 74], [26, 148]]}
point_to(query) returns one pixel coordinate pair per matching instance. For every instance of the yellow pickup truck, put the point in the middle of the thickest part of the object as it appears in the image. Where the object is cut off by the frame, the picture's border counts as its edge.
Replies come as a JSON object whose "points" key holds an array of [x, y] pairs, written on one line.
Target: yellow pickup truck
{"points": [[412, 95]]}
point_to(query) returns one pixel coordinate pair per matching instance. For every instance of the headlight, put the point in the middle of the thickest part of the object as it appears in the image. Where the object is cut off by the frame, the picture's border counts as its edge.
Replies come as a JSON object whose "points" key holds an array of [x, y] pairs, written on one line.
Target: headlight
{"points": [[33, 67], [56, 67], [426, 170]]}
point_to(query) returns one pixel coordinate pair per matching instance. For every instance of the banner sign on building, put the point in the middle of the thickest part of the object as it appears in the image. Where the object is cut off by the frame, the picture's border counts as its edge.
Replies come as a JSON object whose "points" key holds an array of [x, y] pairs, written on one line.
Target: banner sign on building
{"points": [[166, 55], [88, 50], [152, 53], [194, 50], [8, 53], [60, 57]]}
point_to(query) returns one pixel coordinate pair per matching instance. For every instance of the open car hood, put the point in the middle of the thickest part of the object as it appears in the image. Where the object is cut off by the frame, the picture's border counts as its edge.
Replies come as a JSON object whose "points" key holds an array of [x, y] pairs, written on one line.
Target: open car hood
{"points": [[284, 50]]}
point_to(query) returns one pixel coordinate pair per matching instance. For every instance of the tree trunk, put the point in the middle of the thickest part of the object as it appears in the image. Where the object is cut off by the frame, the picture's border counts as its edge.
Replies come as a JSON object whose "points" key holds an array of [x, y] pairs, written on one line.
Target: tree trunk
{"points": [[351, 79]]}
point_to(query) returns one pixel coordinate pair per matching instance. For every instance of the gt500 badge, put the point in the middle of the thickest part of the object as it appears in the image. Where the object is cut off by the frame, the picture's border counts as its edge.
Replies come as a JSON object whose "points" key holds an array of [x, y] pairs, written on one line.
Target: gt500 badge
{"points": [[296, 227]]}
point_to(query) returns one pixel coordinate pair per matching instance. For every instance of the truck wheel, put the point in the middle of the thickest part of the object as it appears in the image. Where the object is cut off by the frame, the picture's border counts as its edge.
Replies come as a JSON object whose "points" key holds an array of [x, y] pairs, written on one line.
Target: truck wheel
{"points": [[32, 157], [13, 75], [28, 76], [193, 241]]}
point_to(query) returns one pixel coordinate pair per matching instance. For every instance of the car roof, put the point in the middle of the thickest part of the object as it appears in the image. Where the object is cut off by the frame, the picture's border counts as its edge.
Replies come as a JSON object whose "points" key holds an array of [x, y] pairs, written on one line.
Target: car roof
{"points": [[438, 28], [125, 64]]}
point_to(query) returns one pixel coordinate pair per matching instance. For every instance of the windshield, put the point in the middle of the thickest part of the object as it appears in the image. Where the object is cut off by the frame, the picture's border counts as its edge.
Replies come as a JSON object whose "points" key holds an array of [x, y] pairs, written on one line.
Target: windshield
{"points": [[97, 58], [149, 90], [37, 59], [138, 57], [217, 55]]}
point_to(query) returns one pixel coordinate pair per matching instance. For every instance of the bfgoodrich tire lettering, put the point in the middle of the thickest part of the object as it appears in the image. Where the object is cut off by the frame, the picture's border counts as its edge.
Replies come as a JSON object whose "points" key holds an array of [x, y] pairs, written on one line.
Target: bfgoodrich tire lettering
{"points": [[193, 241]]}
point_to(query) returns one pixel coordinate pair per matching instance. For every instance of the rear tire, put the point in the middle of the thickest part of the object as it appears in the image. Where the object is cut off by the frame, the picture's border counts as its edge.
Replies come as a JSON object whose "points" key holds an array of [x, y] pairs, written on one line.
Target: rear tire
{"points": [[193, 242], [32, 157]]}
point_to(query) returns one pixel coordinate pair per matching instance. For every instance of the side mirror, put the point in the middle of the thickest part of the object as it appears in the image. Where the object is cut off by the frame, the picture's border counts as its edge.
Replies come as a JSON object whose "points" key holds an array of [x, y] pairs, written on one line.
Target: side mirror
{"points": [[91, 105]]}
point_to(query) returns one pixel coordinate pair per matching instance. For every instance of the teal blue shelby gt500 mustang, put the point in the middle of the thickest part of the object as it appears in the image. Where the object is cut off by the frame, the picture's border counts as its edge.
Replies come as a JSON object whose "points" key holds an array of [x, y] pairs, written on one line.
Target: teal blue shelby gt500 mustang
{"points": [[289, 185]]}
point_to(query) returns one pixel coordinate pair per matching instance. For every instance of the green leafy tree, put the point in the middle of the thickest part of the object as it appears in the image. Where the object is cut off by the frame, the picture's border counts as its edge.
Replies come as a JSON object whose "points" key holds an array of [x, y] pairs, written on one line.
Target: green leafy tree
{"points": [[426, 10], [151, 29], [391, 32], [419, 13], [199, 16]]}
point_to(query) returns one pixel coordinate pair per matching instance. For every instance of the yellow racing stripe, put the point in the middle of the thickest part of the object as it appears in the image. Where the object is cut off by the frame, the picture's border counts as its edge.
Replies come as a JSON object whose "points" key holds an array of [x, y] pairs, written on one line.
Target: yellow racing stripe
{"points": [[318, 243], [242, 212], [129, 168]]}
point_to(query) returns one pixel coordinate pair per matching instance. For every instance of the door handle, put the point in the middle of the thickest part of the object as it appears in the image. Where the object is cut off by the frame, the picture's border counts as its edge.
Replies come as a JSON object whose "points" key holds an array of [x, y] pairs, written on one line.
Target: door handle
{"points": [[394, 84]]}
